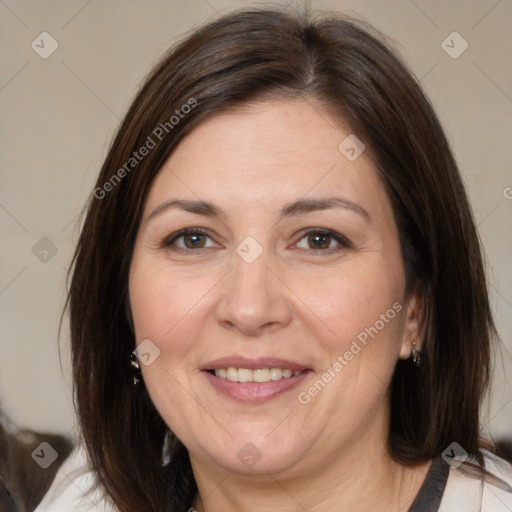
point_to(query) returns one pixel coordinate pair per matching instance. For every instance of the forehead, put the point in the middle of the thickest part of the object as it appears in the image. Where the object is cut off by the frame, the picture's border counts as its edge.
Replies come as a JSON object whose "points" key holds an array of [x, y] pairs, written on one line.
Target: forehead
{"points": [[271, 152]]}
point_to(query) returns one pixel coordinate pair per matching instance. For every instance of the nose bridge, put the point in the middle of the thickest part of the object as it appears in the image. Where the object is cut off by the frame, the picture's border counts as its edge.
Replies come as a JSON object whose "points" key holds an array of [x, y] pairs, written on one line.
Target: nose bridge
{"points": [[253, 298]]}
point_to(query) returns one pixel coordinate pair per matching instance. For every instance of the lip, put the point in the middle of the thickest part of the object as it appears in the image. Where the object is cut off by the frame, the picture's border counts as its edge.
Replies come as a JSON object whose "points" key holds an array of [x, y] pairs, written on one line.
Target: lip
{"points": [[253, 363], [254, 392]]}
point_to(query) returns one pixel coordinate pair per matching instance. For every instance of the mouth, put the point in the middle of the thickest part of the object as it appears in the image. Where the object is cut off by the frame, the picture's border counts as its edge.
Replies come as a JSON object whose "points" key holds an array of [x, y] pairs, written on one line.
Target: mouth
{"points": [[258, 375], [254, 380]]}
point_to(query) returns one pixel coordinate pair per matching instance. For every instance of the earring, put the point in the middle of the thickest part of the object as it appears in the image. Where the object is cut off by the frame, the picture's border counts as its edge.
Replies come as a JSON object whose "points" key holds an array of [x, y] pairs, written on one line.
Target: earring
{"points": [[137, 375], [416, 354]]}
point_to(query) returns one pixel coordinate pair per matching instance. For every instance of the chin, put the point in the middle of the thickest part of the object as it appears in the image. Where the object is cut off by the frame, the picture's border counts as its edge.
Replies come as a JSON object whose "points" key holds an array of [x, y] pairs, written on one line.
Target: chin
{"points": [[246, 455]]}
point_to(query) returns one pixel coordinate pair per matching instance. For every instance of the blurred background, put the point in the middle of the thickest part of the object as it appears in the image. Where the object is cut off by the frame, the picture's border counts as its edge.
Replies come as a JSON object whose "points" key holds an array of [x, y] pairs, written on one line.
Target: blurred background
{"points": [[69, 70]]}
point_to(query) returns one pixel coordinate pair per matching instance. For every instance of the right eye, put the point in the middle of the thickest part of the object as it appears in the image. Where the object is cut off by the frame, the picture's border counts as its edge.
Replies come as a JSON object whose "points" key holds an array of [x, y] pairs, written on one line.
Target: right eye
{"points": [[189, 239]]}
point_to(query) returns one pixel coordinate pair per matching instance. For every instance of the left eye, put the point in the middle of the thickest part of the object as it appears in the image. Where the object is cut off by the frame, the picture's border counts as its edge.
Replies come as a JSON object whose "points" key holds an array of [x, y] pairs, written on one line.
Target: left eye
{"points": [[321, 240]]}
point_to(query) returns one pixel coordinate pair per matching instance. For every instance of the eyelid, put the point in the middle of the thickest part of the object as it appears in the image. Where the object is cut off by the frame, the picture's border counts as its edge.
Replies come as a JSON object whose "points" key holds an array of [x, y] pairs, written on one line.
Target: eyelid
{"points": [[170, 239], [342, 240], [338, 237]]}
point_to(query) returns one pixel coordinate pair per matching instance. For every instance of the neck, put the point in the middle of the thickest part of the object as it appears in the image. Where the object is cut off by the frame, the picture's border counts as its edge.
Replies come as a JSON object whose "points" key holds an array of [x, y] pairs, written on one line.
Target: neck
{"points": [[363, 477]]}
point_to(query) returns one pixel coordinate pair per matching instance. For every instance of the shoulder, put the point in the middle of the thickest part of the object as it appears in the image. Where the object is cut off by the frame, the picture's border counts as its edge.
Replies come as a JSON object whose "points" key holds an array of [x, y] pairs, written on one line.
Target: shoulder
{"points": [[72, 488], [475, 491]]}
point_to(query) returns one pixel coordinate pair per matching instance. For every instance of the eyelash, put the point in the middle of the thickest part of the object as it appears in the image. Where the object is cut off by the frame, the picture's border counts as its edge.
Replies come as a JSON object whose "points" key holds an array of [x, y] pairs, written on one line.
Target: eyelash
{"points": [[339, 238], [169, 241]]}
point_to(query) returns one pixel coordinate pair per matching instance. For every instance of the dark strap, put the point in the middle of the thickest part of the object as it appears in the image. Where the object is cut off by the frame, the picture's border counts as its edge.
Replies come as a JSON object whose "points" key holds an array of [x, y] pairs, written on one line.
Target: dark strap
{"points": [[431, 493]]}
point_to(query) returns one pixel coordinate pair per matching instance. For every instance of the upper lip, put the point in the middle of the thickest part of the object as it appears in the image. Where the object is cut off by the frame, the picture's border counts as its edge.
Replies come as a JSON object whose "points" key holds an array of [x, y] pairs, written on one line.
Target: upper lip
{"points": [[253, 364]]}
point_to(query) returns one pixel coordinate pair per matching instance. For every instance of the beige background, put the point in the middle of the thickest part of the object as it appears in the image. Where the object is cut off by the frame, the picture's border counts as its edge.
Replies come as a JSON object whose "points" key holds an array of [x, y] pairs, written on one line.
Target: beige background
{"points": [[58, 115]]}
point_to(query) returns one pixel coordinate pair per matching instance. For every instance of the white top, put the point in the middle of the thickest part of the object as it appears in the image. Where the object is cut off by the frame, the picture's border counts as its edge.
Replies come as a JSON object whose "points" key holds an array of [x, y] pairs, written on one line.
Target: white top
{"points": [[68, 491]]}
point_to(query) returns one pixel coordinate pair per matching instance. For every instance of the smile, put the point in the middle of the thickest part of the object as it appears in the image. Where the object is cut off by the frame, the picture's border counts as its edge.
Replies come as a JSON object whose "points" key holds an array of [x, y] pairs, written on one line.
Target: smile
{"points": [[258, 375], [254, 380]]}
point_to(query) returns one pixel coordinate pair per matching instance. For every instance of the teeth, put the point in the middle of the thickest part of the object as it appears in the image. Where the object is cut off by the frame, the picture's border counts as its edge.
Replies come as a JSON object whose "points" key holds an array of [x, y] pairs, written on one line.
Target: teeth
{"points": [[259, 375], [276, 373], [245, 375], [231, 374]]}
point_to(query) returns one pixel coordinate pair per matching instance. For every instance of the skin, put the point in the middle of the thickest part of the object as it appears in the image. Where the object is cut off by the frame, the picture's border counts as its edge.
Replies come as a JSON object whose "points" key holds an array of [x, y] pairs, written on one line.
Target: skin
{"points": [[295, 302]]}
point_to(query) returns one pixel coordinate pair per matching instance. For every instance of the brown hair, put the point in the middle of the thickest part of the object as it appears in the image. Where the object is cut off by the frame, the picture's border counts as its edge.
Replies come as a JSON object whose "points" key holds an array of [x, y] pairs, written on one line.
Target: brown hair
{"points": [[343, 65]]}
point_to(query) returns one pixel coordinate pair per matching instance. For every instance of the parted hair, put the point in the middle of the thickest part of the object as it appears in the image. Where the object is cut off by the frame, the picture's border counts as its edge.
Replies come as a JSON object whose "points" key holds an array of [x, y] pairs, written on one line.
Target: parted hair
{"points": [[351, 71]]}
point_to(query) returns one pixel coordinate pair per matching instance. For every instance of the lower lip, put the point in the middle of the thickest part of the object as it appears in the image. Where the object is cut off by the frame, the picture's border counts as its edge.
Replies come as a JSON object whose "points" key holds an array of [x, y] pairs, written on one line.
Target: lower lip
{"points": [[255, 392]]}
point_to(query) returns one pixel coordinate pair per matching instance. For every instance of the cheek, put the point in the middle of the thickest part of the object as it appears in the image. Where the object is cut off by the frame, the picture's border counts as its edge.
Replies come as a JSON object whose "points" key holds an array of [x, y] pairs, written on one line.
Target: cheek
{"points": [[161, 301], [165, 310], [357, 325], [356, 304]]}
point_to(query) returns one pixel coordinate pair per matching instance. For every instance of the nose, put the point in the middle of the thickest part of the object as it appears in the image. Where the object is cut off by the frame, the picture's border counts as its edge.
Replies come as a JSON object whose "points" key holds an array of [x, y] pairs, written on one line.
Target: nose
{"points": [[254, 299]]}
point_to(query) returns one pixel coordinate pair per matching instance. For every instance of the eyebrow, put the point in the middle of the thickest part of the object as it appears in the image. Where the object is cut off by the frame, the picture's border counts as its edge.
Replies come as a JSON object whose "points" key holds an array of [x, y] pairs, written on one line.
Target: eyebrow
{"points": [[197, 207], [303, 206], [299, 207]]}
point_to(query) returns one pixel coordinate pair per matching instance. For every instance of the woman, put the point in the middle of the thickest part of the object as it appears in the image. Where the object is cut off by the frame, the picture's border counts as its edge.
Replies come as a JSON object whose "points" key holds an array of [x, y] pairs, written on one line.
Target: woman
{"points": [[278, 300]]}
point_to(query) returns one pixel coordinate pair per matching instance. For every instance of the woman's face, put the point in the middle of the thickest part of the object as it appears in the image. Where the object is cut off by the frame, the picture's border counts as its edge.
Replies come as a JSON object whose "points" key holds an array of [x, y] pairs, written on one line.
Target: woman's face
{"points": [[267, 272]]}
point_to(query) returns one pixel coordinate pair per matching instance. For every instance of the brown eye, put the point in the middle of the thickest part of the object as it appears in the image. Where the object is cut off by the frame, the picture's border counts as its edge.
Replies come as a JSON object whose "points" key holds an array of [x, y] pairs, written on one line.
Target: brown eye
{"points": [[189, 239], [194, 241], [319, 241], [323, 240]]}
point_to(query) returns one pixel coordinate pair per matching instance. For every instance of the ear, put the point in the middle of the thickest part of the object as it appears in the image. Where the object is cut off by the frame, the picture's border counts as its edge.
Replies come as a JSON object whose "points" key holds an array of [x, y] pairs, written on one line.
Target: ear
{"points": [[414, 323]]}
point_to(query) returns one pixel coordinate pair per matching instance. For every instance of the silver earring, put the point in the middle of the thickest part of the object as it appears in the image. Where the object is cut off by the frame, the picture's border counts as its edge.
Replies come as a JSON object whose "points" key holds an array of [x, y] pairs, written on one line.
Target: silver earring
{"points": [[137, 375], [416, 355]]}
